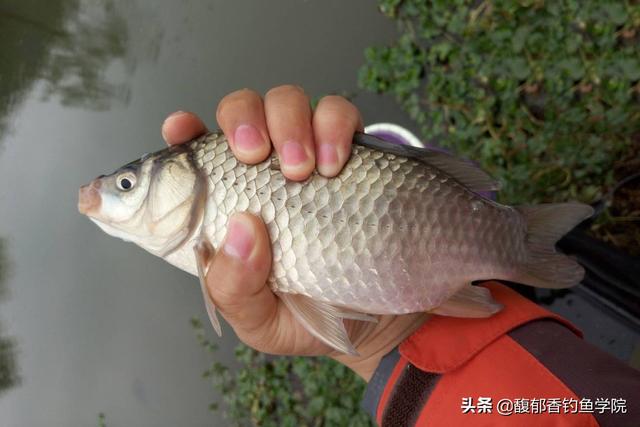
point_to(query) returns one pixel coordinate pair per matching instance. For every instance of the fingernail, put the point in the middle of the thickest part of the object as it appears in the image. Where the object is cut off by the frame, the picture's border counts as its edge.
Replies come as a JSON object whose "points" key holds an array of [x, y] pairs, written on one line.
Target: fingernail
{"points": [[327, 159], [247, 138], [240, 239], [293, 153]]}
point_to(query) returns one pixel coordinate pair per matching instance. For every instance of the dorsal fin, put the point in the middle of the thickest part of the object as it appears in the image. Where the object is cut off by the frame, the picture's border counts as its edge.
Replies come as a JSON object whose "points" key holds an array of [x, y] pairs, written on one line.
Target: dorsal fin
{"points": [[461, 170]]}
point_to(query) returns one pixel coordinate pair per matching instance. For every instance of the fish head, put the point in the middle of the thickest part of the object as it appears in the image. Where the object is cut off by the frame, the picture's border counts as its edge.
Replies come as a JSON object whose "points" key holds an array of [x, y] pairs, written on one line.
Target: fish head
{"points": [[152, 201]]}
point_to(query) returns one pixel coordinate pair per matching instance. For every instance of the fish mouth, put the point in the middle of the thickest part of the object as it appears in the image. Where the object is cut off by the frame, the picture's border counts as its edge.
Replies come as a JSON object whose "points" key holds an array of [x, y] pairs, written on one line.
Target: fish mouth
{"points": [[89, 199]]}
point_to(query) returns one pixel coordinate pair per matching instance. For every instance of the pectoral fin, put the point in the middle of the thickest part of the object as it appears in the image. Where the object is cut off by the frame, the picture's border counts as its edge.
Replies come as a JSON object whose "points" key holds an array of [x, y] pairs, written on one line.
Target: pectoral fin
{"points": [[323, 320], [470, 301], [204, 253]]}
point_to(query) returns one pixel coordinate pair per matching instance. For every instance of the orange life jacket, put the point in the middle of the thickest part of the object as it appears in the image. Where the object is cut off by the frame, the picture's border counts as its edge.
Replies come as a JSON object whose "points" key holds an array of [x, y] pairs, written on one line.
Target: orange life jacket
{"points": [[524, 366]]}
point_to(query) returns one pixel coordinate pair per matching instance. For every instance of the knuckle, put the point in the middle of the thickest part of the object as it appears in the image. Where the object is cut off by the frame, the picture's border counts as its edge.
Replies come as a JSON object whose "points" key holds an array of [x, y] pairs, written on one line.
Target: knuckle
{"points": [[334, 100], [237, 100], [334, 125], [338, 108], [285, 90], [259, 335]]}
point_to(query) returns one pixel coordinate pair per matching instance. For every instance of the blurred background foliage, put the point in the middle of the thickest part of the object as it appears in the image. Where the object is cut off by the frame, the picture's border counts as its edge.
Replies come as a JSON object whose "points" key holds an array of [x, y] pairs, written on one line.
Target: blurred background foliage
{"points": [[276, 391], [69, 48], [545, 95]]}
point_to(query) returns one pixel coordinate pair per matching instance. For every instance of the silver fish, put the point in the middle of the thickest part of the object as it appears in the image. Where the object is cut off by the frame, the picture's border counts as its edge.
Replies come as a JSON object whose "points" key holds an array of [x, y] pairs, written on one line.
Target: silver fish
{"points": [[400, 230]]}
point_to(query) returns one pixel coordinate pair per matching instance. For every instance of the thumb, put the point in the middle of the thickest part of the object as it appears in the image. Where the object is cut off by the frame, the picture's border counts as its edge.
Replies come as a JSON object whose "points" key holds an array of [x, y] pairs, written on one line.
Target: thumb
{"points": [[237, 278]]}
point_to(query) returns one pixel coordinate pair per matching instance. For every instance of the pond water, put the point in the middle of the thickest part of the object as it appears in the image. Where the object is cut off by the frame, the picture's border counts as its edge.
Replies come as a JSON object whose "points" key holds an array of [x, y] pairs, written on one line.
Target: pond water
{"points": [[88, 323]]}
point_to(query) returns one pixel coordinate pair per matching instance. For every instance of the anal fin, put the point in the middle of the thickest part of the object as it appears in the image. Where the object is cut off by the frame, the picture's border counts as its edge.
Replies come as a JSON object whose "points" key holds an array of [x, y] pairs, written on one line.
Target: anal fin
{"points": [[470, 301], [323, 320], [204, 253]]}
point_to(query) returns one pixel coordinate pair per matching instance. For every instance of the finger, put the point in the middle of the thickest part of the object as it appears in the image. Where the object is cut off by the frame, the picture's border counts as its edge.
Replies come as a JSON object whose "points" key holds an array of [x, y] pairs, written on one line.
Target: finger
{"points": [[237, 280], [181, 127], [288, 116], [241, 117], [334, 123]]}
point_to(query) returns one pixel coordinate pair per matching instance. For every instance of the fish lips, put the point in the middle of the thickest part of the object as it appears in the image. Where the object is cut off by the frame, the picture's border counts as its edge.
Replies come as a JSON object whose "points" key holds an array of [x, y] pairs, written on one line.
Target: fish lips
{"points": [[89, 198]]}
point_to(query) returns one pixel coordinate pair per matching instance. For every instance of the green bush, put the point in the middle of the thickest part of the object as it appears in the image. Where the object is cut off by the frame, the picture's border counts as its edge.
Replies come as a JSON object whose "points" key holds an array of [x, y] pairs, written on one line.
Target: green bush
{"points": [[545, 95], [275, 391]]}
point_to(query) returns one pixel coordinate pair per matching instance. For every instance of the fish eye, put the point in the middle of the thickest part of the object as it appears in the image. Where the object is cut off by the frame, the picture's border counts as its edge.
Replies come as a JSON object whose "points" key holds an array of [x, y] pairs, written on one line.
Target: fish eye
{"points": [[126, 181]]}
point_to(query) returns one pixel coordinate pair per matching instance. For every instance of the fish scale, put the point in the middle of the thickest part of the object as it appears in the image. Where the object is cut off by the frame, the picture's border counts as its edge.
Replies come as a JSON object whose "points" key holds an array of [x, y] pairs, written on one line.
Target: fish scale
{"points": [[389, 235]]}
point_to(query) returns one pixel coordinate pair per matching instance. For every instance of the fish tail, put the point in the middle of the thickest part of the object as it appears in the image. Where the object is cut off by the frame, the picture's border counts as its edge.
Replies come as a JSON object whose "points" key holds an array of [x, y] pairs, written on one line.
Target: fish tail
{"points": [[546, 224]]}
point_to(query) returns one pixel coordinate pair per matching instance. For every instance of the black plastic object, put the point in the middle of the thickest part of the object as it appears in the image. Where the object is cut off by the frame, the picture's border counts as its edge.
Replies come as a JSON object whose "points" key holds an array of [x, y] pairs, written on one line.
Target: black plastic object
{"points": [[612, 276]]}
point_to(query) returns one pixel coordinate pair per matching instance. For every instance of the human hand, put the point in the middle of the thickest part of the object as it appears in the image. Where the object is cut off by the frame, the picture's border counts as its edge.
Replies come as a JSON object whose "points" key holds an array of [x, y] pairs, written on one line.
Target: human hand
{"points": [[237, 277]]}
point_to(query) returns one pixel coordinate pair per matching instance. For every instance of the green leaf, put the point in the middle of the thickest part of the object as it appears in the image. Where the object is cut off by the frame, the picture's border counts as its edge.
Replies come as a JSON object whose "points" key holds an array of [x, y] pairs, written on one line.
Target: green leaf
{"points": [[616, 11], [630, 68], [519, 68], [520, 38]]}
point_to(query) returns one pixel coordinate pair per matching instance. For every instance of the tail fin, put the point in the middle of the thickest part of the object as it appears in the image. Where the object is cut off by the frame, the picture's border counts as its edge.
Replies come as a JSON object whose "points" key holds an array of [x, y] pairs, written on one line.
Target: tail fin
{"points": [[546, 224]]}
